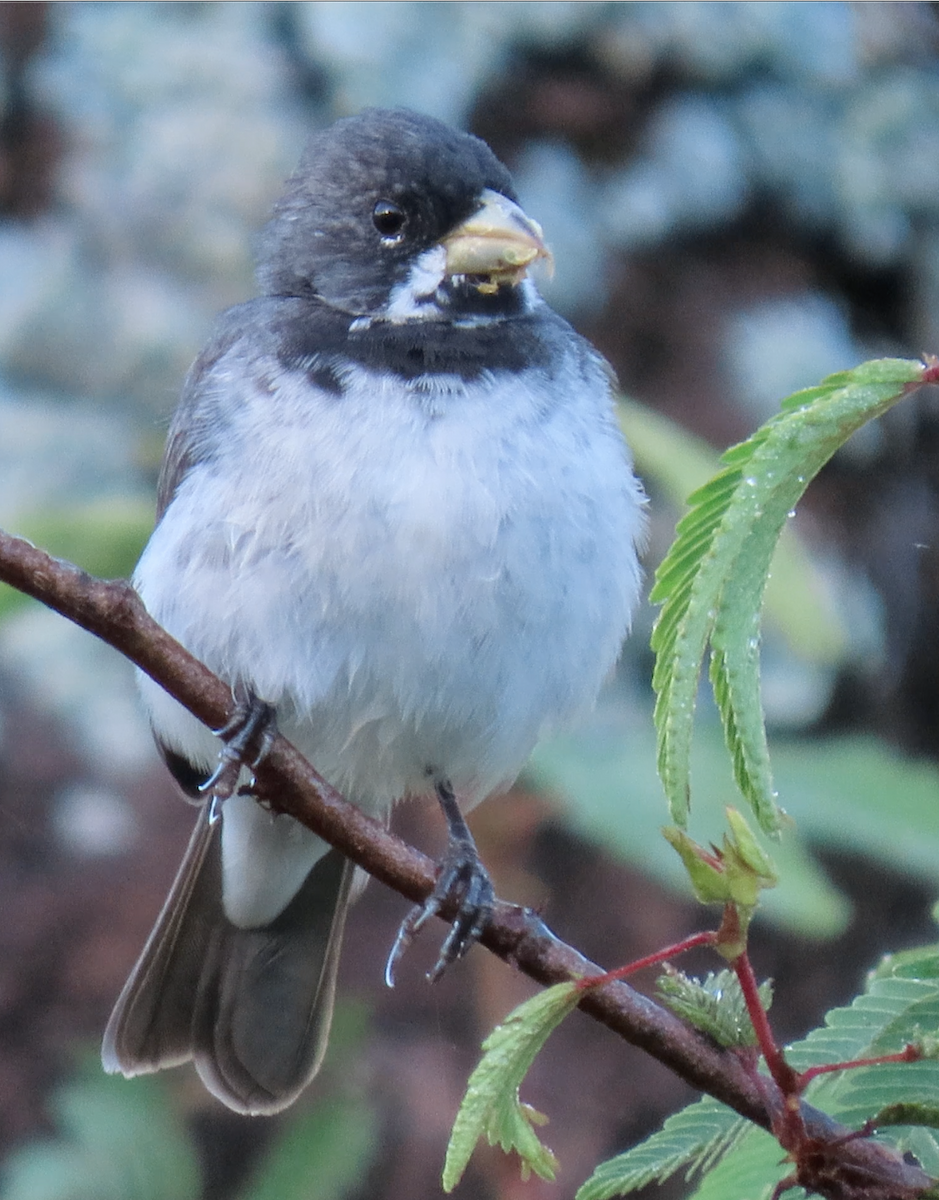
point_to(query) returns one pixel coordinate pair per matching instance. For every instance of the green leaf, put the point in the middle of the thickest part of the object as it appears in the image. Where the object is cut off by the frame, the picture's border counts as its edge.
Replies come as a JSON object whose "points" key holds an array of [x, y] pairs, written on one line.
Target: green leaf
{"points": [[901, 1001], [734, 873], [892, 1011], [608, 791], [715, 1004], [491, 1106], [743, 1162], [923, 1144], [712, 581], [705, 870], [121, 1140], [749, 1171], [674, 462], [693, 1139]]}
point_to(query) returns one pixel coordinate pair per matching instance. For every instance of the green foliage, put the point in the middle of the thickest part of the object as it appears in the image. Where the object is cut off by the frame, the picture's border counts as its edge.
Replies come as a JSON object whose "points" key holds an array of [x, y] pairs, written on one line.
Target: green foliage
{"points": [[491, 1106], [741, 1162], [607, 788], [693, 1139], [900, 1005], [715, 1004], [733, 874], [675, 462], [850, 793], [900, 1002], [711, 583], [749, 1171]]}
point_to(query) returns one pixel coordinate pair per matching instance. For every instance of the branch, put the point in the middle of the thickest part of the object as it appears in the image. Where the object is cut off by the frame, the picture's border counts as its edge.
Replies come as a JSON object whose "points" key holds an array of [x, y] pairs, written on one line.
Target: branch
{"points": [[112, 611]]}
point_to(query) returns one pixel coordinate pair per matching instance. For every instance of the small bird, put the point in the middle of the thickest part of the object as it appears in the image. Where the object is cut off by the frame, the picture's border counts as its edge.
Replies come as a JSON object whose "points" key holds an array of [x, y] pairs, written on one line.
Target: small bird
{"points": [[397, 516]]}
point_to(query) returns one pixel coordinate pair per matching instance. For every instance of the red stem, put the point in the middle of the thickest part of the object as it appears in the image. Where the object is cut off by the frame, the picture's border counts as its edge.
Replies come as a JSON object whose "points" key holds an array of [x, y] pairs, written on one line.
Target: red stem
{"points": [[908, 1054], [785, 1078], [708, 938]]}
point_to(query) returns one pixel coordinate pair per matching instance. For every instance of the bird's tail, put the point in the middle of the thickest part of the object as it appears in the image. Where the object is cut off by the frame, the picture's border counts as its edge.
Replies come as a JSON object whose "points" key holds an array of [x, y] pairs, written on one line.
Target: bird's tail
{"points": [[252, 1007]]}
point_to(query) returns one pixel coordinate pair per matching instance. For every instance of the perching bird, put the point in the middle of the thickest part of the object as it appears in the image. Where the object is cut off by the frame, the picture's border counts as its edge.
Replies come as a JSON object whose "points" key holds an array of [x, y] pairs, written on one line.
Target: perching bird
{"points": [[395, 509]]}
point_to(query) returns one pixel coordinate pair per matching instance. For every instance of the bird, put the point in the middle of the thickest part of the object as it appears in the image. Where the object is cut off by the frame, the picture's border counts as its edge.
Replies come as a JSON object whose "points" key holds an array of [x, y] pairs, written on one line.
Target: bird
{"points": [[396, 514]]}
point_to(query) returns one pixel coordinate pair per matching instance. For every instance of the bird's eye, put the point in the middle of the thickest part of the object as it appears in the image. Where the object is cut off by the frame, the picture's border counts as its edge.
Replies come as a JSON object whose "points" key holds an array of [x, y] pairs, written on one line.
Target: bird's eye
{"points": [[389, 219]]}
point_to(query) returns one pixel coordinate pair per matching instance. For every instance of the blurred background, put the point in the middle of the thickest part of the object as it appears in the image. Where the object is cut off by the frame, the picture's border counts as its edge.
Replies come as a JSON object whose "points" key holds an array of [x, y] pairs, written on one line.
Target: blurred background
{"points": [[741, 198]]}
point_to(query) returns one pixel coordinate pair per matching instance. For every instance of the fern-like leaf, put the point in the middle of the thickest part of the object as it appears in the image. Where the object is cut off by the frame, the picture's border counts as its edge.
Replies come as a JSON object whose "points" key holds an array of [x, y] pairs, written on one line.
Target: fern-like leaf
{"points": [[491, 1106], [694, 1139], [739, 1160], [750, 1170], [711, 583], [900, 1003], [715, 1004]]}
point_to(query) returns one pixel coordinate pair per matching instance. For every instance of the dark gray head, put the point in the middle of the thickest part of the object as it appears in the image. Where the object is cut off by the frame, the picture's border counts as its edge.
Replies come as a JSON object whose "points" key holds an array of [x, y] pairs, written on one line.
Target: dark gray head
{"points": [[371, 194]]}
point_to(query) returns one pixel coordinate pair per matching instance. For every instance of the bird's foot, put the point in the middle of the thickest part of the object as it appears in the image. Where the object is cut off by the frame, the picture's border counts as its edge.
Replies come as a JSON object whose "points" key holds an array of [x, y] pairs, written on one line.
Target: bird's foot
{"points": [[246, 738], [463, 881]]}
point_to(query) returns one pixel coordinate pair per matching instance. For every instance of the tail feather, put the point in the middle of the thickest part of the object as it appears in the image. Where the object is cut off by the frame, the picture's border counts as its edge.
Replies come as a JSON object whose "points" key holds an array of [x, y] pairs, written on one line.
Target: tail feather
{"points": [[150, 1025], [251, 1006], [265, 1001]]}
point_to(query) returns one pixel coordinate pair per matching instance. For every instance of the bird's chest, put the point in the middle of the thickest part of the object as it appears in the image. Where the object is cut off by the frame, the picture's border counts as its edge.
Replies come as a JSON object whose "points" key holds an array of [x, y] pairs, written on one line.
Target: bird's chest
{"points": [[380, 499], [424, 571], [397, 540]]}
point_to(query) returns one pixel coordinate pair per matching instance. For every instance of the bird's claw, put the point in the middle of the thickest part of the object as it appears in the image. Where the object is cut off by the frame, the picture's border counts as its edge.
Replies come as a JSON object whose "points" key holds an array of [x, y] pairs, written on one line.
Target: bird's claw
{"points": [[247, 737], [463, 881]]}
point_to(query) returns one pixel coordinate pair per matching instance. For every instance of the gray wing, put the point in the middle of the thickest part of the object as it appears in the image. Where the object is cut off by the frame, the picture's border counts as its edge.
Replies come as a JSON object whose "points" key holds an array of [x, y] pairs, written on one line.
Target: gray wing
{"points": [[246, 345], [187, 443]]}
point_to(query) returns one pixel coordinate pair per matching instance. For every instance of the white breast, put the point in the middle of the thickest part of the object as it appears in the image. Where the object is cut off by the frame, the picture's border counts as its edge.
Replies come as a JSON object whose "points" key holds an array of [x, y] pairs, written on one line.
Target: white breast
{"points": [[424, 576]]}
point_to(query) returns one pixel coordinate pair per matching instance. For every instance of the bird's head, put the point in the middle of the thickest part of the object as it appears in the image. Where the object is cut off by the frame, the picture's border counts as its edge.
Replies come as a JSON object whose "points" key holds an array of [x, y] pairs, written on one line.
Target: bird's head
{"points": [[396, 216]]}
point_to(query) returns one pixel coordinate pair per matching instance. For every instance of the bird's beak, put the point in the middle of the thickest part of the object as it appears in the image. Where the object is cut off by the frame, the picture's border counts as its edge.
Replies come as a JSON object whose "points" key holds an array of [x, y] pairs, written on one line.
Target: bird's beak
{"points": [[497, 244]]}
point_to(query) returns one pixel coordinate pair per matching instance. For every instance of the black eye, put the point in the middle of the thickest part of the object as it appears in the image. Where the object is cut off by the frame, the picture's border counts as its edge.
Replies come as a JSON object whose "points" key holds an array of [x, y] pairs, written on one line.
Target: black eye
{"points": [[389, 219]]}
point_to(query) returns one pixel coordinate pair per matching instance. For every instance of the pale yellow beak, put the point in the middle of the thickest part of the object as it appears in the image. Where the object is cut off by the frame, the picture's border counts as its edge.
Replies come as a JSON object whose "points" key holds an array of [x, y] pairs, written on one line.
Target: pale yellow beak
{"points": [[497, 244]]}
